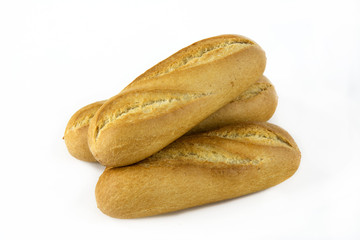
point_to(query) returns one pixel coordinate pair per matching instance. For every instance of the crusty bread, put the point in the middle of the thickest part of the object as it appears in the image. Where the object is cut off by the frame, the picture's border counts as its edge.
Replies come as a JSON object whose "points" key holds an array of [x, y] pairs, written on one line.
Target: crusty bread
{"points": [[199, 169], [172, 97], [257, 103], [76, 132]]}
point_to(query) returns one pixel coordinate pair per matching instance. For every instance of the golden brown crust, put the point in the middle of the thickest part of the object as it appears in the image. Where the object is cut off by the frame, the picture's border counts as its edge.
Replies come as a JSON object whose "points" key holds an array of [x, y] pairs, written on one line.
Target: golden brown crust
{"points": [[172, 97], [256, 104], [200, 169], [184, 57], [76, 132]]}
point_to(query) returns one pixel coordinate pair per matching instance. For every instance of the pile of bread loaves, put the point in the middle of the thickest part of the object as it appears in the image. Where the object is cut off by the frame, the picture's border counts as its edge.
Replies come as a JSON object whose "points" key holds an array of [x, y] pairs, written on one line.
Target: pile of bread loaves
{"points": [[189, 131]]}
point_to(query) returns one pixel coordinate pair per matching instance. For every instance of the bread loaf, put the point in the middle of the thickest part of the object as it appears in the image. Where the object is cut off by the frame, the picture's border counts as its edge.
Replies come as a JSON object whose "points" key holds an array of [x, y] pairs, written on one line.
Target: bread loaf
{"points": [[172, 97], [257, 103], [199, 169], [76, 132]]}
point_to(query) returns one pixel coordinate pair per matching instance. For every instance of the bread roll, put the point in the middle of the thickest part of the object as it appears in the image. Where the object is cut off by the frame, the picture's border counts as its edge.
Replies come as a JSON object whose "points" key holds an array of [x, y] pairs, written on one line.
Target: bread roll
{"points": [[172, 97], [257, 103], [76, 132], [199, 169]]}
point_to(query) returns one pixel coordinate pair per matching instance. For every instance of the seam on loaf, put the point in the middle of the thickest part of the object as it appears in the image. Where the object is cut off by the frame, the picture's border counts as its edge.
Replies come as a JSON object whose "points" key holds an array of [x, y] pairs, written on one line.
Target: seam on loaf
{"points": [[195, 58], [265, 136], [204, 153], [82, 122], [162, 103], [253, 91]]}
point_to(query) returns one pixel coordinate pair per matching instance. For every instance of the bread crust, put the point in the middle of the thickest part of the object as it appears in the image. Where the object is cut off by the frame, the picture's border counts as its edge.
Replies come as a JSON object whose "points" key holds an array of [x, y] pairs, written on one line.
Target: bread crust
{"points": [[172, 97], [256, 104], [76, 131], [200, 169]]}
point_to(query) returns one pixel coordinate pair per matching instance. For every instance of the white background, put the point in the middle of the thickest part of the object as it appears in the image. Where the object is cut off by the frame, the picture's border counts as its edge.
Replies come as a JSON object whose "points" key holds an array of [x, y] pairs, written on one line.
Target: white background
{"points": [[57, 56]]}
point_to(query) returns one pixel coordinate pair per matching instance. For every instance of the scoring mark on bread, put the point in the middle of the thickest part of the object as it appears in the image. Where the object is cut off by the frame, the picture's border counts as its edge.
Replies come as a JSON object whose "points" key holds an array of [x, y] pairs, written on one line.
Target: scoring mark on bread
{"points": [[201, 55], [210, 54], [251, 133], [253, 91], [147, 104], [82, 122], [188, 149], [202, 153]]}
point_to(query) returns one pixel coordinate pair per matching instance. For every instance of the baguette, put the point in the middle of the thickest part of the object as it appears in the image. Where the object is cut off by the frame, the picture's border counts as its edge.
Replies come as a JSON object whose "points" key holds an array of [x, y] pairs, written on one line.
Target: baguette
{"points": [[257, 103], [172, 97], [76, 132], [199, 169]]}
